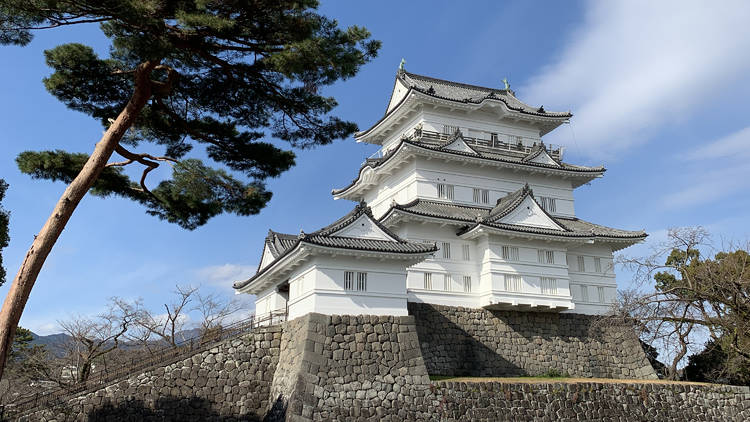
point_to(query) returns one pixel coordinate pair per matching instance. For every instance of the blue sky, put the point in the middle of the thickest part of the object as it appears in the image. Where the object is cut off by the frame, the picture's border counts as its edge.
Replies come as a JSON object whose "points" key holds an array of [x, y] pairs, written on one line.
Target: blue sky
{"points": [[658, 91]]}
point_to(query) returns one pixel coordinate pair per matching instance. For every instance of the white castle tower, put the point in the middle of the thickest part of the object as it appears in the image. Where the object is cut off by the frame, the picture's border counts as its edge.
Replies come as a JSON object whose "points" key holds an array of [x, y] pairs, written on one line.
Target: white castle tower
{"points": [[463, 205]]}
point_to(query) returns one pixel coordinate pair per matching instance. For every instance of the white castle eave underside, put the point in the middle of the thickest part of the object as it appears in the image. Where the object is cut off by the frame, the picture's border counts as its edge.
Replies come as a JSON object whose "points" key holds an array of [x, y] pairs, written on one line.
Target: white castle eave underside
{"points": [[279, 269], [414, 100], [369, 176]]}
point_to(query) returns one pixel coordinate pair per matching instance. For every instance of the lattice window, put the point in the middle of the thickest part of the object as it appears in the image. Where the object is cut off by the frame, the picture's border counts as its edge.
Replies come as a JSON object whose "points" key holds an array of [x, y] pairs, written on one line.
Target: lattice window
{"points": [[600, 290], [513, 282], [581, 264], [449, 129], [549, 286], [448, 279], [549, 204], [348, 280], [481, 196], [510, 253], [446, 250], [584, 293], [467, 283], [428, 281], [445, 191], [545, 256], [362, 282], [598, 264], [466, 252]]}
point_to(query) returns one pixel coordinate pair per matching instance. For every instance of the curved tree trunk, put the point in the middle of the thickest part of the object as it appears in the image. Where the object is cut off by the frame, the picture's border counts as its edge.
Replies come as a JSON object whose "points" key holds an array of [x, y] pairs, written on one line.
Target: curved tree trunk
{"points": [[76, 190]]}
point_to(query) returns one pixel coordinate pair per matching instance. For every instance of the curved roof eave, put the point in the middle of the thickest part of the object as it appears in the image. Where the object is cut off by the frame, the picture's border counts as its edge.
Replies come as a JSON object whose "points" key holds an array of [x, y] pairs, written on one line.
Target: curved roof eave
{"points": [[538, 116], [595, 171]]}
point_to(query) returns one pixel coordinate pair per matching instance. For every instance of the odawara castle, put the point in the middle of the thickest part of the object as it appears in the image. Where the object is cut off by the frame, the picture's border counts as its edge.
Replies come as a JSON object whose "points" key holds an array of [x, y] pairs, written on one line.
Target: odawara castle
{"points": [[464, 204]]}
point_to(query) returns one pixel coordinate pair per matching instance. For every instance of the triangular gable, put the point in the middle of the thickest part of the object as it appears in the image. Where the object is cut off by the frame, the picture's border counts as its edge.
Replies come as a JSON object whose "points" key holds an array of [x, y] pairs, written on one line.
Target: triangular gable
{"points": [[544, 158], [398, 94], [540, 155], [364, 227], [529, 213], [459, 145], [266, 258]]}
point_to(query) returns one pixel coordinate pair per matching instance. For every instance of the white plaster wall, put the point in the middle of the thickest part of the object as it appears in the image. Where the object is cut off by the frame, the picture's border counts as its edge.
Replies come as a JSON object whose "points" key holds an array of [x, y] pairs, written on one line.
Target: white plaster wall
{"points": [[268, 301], [591, 278], [324, 288], [499, 182]]}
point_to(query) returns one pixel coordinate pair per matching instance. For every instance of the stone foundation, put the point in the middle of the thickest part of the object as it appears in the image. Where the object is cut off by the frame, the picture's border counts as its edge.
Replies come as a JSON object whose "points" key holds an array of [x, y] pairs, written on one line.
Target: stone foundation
{"points": [[459, 341], [352, 368]]}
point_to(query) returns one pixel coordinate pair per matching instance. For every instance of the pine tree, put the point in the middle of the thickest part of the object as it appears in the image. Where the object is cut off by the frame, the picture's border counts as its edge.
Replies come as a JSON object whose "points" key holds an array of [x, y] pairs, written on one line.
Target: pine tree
{"points": [[210, 75]]}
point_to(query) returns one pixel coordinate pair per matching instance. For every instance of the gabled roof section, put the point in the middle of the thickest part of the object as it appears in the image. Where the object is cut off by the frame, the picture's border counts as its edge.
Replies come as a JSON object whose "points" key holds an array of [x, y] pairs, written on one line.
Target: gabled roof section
{"points": [[356, 231], [519, 208], [471, 217], [456, 91], [370, 168], [457, 143], [540, 155]]}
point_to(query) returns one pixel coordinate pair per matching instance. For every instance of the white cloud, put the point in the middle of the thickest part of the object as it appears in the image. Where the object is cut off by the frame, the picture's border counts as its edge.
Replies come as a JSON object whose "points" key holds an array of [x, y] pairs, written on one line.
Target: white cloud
{"points": [[727, 159], [735, 145], [634, 65], [225, 275]]}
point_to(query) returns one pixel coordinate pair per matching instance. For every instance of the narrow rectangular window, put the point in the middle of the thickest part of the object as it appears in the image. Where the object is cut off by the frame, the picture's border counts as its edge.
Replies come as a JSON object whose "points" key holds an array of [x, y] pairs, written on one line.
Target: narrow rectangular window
{"points": [[549, 204], [448, 279], [467, 283], [466, 252], [601, 294], [598, 264], [348, 280], [445, 191], [510, 253], [546, 256], [513, 282], [549, 286], [584, 293], [449, 129], [581, 264], [477, 195], [428, 281], [446, 250], [493, 139], [485, 196], [362, 282]]}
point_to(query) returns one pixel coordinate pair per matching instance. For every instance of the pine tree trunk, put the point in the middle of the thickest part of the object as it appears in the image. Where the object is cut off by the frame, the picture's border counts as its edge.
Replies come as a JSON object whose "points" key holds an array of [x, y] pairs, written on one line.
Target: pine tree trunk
{"points": [[76, 190]]}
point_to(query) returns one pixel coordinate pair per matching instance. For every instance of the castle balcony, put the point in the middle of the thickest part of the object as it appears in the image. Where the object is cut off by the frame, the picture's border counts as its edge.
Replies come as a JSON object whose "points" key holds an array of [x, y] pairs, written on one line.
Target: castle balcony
{"points": [[493, 143]]}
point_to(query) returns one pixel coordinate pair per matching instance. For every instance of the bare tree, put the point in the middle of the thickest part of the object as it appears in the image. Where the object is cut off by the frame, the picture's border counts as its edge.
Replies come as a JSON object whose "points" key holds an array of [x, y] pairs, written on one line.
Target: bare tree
{"points": [[168, 326], [214, 312], [93, 338], [680, 295]]}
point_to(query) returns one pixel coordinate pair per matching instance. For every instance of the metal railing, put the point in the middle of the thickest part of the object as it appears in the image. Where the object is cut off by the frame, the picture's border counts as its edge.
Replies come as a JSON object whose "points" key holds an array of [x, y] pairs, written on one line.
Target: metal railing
{"points": [[162, 357], [493, 142]]}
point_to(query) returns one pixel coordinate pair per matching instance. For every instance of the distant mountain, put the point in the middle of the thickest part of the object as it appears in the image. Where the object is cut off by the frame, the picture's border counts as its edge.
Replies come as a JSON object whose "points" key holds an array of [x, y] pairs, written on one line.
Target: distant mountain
{"points": [[55, 343]]}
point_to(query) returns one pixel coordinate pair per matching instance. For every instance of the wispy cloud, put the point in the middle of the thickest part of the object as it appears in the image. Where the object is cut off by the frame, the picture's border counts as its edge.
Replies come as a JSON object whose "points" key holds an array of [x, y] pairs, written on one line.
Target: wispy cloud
{"points": [[224, 276], [634, 65], [727, 162]]}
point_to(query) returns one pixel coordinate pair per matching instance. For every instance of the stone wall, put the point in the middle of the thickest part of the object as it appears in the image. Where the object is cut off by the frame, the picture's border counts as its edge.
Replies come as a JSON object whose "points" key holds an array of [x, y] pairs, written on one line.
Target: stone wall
{"points": [[231, 380], [494, 401], [479, 342], [348, 367], [352, 368]]}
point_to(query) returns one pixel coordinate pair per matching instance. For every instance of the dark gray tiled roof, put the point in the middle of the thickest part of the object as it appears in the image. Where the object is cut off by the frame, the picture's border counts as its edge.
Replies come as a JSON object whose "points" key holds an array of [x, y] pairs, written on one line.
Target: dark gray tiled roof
{"points": [[507, 204], [574, 227], [281, 244], [466, 93], [481, 153]]}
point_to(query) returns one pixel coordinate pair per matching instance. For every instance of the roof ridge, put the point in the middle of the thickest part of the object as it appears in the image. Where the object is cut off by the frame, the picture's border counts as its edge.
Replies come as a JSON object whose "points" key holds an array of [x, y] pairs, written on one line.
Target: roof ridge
{"points": [[460, 84]]}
